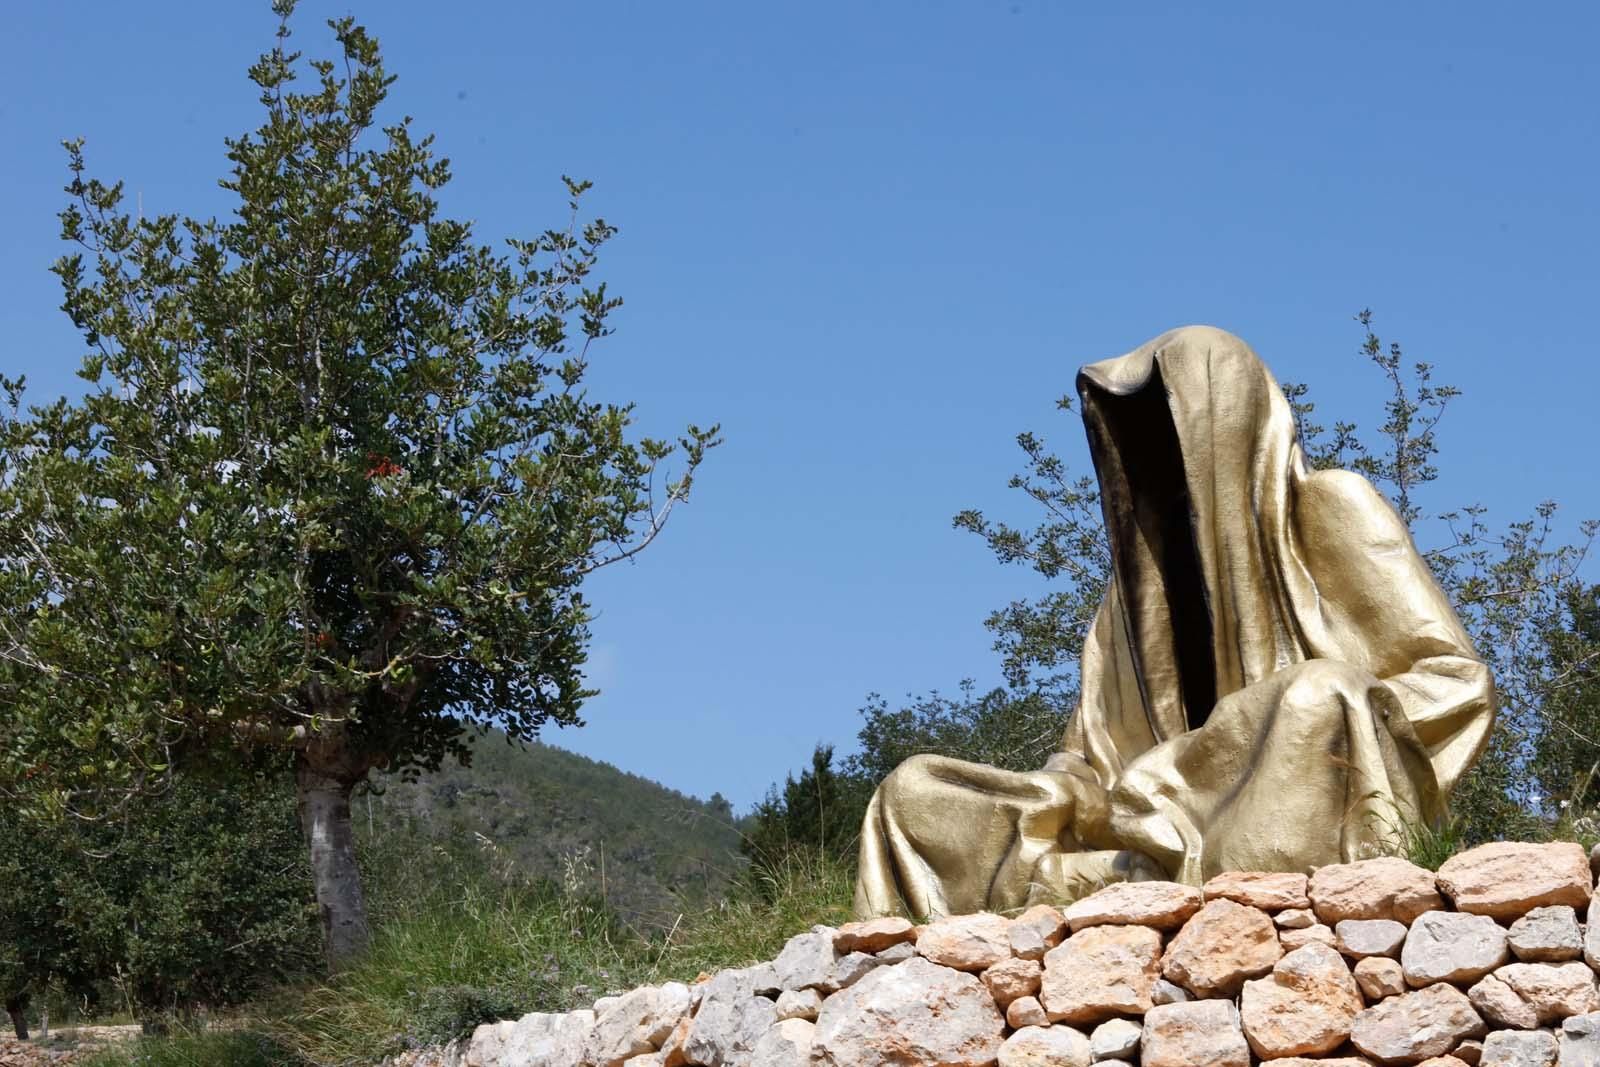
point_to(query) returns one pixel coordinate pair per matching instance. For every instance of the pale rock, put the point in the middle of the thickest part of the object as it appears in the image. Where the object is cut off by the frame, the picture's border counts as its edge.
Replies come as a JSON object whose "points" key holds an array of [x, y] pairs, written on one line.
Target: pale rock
{"points": [[1294, 918], [1259, 889], [1165, 992], [799, 1004], [1100, 972], [1316, 933], [787, 1044], [1224, 944], [635, 1023], [1414, 1026], [1115, 1039], [1540, 992], [1448, 946], [1360, 938], [487, 1044], [550, 1039], [1384, 888], [1026, 1011], [764, 981], [603, 1005], [1547, 935], [1379, 977], [646, 1059], [915, 1012], [806, 961], [1163, 905], [1305, 1006], [730, 1021], [1580, 1040], [1519, 1048], [1594, 860], [1443, 1061], [1507, 879], [966, 942], [674, 1049], [848, 970], [897, 953], [1202, 1033], [1012, 978], [1046, 1046], [872, 935], [1469, 1052], [1036, 931], [1323, 1061]]}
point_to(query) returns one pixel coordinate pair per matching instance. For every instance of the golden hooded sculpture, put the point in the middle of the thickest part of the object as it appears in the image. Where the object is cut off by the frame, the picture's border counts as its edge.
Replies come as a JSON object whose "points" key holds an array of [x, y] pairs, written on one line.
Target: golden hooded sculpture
{"points": [[1273, 682]]}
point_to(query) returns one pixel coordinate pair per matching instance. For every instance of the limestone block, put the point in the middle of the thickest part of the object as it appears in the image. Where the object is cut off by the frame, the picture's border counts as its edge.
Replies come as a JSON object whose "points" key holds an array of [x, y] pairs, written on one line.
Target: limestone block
{"points": [[1519, 1048], [1294, 918], [1379, 977], [848, 970], [1382, 888], [1579, 1044], [1360, 938], [1448, 946], [872, 935], [1525, 995], [1201, 1033], [1415, 1026], [1305, 1006], [1507, 879], [1026, 1011], [1012, 978], [966, 942], [1046, 1046], [1163, 905], [897, 953], [1100, 972], [1165, 992], [1036, 931], [1315, 933], [806, 960], [1267, 891], [635, 1023], [914, 1012], [1115, 1039], [1224, 944], [799, 1004], [785, 1044], [730, 1021], [1547, 935]]}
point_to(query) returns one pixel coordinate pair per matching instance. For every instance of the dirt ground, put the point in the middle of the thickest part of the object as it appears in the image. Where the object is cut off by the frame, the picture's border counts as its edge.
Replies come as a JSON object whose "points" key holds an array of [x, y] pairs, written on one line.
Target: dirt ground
{"points": [[62, 1048]]}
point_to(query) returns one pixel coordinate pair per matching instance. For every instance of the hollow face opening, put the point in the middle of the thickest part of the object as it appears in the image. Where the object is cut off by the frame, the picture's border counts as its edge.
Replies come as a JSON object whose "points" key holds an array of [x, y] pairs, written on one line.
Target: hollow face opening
{"points": [[1152, 503]]}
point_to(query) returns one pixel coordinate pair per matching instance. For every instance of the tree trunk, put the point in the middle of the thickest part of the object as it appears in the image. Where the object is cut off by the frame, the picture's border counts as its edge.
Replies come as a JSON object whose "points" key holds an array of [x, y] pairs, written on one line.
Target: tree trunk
{"points": [[325, 817], [16, 1007]]}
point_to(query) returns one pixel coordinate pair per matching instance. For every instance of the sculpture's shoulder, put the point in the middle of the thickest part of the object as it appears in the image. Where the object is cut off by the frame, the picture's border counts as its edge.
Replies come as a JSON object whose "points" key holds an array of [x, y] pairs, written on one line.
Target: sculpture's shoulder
{"points": [[1337, 509]]}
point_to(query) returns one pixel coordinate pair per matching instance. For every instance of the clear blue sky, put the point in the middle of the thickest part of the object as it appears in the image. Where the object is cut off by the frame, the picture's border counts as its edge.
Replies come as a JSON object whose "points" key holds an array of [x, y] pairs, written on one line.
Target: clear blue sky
{"points": [[876, 240]]}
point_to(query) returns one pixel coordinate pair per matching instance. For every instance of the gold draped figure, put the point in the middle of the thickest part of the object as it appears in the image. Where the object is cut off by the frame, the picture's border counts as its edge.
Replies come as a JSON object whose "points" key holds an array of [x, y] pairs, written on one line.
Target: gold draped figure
{"points": [[1273, 682]]}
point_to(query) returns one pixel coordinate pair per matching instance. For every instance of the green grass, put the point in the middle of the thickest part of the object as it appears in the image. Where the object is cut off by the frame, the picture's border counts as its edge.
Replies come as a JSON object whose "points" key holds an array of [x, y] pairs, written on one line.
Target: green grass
{"points": [[199, 1048]]}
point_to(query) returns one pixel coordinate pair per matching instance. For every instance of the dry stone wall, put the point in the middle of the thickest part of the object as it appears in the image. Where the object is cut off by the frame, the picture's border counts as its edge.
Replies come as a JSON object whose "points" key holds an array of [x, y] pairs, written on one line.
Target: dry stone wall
{"points": [[1484, 964]]}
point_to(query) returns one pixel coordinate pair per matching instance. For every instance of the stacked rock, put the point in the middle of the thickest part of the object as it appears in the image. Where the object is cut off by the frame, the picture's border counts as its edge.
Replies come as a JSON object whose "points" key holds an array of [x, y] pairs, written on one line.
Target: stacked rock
{"points": [[1483, 964]]}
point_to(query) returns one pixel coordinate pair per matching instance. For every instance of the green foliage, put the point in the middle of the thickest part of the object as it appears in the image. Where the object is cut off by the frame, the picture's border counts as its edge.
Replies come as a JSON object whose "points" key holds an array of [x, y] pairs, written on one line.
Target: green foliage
{"points": [[444, 1014], [336, 482], [818, 813], [197, 1048], [195, 898]]}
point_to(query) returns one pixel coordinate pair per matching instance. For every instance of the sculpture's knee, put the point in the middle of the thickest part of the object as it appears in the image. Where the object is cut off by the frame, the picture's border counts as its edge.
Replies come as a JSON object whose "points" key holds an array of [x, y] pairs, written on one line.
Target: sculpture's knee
{"points": [[1324, 681], [906, 780]]}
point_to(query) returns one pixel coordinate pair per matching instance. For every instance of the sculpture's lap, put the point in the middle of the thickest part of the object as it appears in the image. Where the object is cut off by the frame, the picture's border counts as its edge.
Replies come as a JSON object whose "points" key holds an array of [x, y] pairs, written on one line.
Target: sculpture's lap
{"points": [[947, 837]]}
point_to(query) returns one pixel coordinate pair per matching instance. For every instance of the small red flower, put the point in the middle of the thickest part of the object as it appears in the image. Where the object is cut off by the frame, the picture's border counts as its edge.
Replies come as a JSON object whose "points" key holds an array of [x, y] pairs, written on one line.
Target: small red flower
{"points": [[382, 466]]}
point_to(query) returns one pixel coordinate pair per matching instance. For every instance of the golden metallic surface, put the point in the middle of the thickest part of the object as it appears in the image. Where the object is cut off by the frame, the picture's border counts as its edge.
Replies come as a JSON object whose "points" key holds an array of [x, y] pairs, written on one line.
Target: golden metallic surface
{"points": [[1274, 681]]}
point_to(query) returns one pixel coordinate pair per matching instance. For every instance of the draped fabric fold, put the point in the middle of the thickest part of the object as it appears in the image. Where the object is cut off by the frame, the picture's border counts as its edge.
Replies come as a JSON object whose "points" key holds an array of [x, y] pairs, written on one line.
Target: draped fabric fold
{"points": [[1274, 680]]}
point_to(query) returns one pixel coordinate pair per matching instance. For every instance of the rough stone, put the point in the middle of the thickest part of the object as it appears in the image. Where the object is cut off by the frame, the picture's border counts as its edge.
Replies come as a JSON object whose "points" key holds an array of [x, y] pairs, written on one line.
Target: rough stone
{"points": [[1382, 888], [1443, 1061], [1224, 944], [1360, 938], [1414, 1026], [1036, 931], [1547, 935], [897, 953], [1046, 1046], [673, 1049], [799, 1004], [1379, 977], [635, 1023], [787, 1044], [1163, 905], [915, 1012], [730, 1021], [966, 942], [1579, 1045], [1294, 918], [1202, 1033], [1525, 995], [1026, 1011], [1115, 1039], [1165, 992], [1507, 879], [1519, 1048], [848, 970], [1448, 946], [552, 1039], [1315, 933], [1100, 972], [1323, 1061], [1469, 1052], [1012, 978], [806, 961], [487, 1044], [1305, 1006], [1258, 889], [872, 935]]}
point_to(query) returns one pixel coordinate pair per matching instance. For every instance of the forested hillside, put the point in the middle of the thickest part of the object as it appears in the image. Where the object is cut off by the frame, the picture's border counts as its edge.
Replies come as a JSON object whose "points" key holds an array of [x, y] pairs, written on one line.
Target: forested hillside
{"points": [[548, 812]]}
